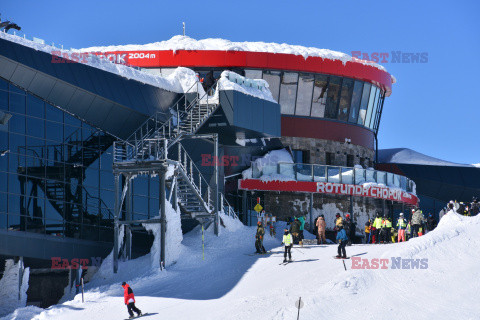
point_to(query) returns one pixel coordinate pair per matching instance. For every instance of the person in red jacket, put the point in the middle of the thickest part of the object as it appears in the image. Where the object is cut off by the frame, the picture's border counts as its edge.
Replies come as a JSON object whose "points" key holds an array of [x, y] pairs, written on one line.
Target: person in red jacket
{"points": [[130, 300]]}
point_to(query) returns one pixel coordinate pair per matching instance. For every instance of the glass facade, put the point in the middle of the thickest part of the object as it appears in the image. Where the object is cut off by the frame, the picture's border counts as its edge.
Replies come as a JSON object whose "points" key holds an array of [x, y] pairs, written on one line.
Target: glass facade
{"points": [[56, 172], [318, 95]]}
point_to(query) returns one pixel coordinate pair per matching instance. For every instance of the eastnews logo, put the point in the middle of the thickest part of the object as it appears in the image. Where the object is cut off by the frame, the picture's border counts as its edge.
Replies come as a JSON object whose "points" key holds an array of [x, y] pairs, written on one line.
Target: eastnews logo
{"points": [[209, 160], [392, 57], [392, 263], [65, 264]]}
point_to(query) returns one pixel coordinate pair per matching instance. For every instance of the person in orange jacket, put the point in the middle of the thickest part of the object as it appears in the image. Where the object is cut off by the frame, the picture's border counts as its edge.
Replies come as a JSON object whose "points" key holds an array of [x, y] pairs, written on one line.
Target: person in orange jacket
{"points": [[130, 300]]}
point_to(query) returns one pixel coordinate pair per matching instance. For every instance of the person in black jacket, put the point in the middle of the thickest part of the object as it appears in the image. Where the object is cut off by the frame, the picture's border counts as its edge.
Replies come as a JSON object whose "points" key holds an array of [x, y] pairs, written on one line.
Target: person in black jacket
{"points": [[431, 223], [259, 238], [208, 81]]}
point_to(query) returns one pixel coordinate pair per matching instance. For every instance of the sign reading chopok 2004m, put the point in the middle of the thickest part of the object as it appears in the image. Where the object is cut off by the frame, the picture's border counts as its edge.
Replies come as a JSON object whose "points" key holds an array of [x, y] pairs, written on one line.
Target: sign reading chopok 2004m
{"points": [[371, 191]]}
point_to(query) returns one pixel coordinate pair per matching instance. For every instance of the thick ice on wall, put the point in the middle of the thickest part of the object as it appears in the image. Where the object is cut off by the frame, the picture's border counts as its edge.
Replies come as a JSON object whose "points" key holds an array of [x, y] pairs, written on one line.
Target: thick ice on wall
{"points": [[173, 237], [186, 43], [267, 166], [9, 290], [259, 90]]}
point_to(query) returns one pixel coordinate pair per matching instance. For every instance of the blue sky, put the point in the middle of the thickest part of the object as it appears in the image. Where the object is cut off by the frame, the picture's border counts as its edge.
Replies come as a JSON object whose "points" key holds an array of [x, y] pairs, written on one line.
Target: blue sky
{"points": [[434, 108]]}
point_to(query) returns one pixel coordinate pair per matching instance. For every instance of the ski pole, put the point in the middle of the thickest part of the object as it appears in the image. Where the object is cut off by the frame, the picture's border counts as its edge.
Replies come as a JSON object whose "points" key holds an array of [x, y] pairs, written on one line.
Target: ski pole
{"points": [[298, 250], [344, 265]]}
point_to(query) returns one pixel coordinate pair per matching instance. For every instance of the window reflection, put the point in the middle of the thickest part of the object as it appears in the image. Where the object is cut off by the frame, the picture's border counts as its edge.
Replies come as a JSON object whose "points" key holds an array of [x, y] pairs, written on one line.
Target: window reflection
{"points": [[332, 97], [304, 95], [273, 79], [371, 100], [356, 99], [288, 92], [375, 109], [345, 99], [253, 74], [319, 100], [364, 103]]}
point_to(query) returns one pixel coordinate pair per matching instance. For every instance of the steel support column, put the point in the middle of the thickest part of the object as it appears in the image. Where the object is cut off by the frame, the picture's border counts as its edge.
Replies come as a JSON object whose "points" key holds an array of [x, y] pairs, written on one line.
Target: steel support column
{"points": [[215, 196], [115, 229], [128, 216], [163, 219], [244, 206]]}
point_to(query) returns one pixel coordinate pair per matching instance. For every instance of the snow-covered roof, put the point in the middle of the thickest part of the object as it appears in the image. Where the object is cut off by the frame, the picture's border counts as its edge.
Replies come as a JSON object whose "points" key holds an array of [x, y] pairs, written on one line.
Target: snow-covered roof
{"points": [[409, 156], [187, 43], [179, 81]]}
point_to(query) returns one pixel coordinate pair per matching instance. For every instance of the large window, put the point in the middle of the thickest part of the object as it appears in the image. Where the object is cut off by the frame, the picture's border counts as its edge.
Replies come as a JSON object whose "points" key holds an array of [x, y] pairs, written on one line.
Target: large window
{"points": [[273, 79], [56, 177], [319, 99], [322, 96], [253, 74], [304, 95], [345, 99], [375, 109], [332, 97], [356, 99], [371, 100], [288, 92], [364, 104]]}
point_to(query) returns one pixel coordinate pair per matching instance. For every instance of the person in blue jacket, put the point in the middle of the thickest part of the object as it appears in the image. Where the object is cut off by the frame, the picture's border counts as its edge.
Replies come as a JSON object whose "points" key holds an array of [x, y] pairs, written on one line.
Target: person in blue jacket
{"points": [[342, 240]]}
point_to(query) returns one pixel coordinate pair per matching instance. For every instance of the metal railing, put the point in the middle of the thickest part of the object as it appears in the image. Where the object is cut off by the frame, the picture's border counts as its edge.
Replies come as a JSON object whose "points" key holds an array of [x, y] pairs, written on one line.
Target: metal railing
{"points": [[186, 117], [335, 174], [195, 176]]}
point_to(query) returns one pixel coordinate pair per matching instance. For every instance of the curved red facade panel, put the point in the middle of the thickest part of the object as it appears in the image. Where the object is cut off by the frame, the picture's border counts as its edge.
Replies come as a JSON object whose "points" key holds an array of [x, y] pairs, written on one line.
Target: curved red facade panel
{"points": [[258, 60], [326, 129]]}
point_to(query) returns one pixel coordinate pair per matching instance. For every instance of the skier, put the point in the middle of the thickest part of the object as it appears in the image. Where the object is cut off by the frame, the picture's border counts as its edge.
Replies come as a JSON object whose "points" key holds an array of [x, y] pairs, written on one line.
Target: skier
{"points": [[321, 225], [295, 230], [409, 230], [388, 229], [431, 223], [259, 238], [302, 227], [288, 242], [342, 242], [417, 220], [130, 300], [474, 207], [401, 226], [377, 226], [338, 221], [367, 231]]}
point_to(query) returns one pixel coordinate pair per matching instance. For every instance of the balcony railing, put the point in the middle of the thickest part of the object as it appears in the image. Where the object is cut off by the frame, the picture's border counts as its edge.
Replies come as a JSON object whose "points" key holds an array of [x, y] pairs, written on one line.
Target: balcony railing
{"points": [[335, 174]]}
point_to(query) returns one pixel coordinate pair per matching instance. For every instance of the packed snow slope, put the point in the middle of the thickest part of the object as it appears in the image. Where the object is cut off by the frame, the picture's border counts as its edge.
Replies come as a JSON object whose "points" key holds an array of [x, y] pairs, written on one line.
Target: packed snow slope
{"points": [[229, 284]]}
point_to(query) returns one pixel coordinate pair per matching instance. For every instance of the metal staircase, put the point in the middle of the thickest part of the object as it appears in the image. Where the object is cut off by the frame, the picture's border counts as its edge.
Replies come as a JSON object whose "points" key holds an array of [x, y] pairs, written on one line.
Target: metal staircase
{"points": [[152, 141]]}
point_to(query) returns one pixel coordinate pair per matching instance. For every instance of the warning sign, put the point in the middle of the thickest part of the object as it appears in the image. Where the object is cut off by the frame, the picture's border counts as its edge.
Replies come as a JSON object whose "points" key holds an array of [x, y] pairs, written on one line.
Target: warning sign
{"points": [[258, 207]]}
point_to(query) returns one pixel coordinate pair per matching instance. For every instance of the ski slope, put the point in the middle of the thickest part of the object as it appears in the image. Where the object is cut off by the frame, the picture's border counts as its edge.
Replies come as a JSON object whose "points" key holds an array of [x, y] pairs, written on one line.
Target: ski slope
{"points": [[230, 284]]}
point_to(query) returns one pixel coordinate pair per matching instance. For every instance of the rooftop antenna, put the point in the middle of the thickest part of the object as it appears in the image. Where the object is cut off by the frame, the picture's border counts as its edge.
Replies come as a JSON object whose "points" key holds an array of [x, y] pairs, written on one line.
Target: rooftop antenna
{"points": [[183, 28]]}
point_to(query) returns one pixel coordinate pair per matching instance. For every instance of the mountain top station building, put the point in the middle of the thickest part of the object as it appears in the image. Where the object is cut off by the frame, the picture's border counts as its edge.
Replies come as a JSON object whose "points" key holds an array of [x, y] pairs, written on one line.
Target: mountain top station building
{"points": [[89, 146]]}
